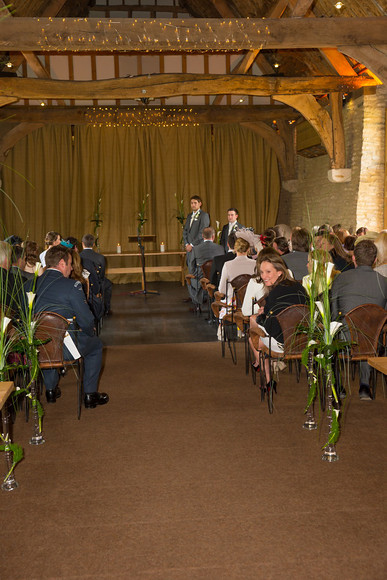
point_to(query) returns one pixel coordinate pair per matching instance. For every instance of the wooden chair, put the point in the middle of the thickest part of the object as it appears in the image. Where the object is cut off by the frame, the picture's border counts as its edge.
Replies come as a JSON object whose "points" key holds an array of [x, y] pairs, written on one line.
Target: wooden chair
{"points": [[51, 329], [294, 342], [231, 320], [202, 277], [365, 324]]}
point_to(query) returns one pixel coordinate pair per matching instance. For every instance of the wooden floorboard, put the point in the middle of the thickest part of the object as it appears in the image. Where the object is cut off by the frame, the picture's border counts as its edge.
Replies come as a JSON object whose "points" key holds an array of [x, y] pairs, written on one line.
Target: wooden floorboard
{"points": [[155, 318]]}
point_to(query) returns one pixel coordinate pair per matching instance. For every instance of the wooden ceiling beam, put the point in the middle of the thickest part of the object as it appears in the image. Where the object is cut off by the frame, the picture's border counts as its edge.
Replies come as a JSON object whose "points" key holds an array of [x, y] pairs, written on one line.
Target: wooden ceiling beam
{"points": [[124, 34], [35, 64], [200, 114], [168, 85]]}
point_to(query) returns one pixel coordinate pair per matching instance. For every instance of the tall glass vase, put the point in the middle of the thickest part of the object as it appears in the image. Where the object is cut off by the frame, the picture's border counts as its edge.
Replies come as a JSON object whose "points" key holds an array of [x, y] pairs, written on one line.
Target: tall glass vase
{"points": [[330, 453]]}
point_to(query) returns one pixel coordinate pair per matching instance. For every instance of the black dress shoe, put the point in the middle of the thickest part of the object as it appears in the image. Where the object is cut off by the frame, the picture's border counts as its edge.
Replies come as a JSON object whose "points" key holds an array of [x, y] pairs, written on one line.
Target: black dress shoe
{"points": [[365, 393], [53, 394], [94, 399]]}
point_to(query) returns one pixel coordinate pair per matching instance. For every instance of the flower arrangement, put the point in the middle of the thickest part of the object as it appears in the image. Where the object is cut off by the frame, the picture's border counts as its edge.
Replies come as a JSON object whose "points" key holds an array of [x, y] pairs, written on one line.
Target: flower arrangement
{"points": [[141, 216], [97, 220], [321, 348]]}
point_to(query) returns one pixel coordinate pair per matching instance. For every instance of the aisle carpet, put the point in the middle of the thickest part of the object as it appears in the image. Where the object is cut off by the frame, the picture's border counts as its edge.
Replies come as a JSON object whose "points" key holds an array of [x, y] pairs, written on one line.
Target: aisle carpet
{"points": [[185, 475]]}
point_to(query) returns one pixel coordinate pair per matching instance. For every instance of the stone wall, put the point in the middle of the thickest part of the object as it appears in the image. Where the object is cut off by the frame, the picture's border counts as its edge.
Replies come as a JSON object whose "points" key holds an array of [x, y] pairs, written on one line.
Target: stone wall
{"points": [[313, 200]]}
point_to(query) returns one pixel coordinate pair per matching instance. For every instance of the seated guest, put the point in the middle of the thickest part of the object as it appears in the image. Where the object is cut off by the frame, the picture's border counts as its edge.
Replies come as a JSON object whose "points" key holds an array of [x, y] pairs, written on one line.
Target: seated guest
{"points": [[297, 259], [381, 256], [219, 261], [349, 245], [268, 237], [256, 290], [231, 226], [93, 261], [51, 239], [204, 252], [361, 231], [32, 259], [18, 263], [74, 244], [281, 245], [342, 233], [14, 240], [240, 265], [57, 293], [340, 258], [282, 292], [361, 285], [79, 273]]}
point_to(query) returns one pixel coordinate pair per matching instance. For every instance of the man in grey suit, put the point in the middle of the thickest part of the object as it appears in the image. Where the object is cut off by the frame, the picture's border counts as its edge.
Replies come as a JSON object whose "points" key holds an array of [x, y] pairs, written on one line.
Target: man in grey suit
{"points": [[202, 253], [361, 285], [197, 220]]}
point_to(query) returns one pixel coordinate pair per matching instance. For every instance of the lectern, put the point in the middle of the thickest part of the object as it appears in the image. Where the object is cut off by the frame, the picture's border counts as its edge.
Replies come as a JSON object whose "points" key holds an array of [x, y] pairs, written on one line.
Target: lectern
{"points": [[141, 240]]}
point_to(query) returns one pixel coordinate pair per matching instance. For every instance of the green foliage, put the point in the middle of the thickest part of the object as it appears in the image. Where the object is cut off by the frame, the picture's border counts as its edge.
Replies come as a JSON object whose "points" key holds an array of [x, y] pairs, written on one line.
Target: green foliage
{"points": [[141, 216]]}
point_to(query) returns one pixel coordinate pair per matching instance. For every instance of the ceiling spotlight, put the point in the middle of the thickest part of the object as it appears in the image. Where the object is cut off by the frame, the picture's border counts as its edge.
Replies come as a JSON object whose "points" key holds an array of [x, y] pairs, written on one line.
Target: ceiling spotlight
{"points": [[276, 65], [42, 104], [339, 5], [241, 100], [8, 64]]}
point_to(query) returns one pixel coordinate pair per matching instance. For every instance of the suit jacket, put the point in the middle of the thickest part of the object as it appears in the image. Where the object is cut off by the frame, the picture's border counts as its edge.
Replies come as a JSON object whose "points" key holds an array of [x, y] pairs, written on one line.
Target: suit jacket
{"points": [[217, 266], [99, 261], [193, 234], [64, 296], [224, 235], [297, 262], [362, 285], [202, 253]]}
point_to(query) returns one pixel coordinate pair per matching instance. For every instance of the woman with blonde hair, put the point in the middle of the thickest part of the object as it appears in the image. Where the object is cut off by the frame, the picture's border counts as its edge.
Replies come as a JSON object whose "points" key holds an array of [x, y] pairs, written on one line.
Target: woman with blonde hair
{"points": [[381, 257], [236, 267]]}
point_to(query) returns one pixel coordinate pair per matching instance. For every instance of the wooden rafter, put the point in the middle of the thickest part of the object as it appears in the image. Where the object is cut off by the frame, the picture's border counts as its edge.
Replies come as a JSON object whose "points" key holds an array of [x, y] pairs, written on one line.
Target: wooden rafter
{"points": [[58, 34], [199, 113], [247, 61], [167, 85]]}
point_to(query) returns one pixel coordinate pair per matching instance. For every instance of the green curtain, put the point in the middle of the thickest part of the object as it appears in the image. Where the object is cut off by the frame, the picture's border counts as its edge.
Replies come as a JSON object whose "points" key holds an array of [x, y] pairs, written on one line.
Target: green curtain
{"points": [[56, 174]]}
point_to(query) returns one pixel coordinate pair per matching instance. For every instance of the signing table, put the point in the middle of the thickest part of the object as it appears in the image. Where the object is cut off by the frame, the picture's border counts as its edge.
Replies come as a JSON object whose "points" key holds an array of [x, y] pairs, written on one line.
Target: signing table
{"points": [[137, 269]]}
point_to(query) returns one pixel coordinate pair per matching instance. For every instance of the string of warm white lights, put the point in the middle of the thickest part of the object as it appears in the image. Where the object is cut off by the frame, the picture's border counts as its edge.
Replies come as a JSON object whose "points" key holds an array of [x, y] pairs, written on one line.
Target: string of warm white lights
{"points": [[141, 117], [149, 35]]}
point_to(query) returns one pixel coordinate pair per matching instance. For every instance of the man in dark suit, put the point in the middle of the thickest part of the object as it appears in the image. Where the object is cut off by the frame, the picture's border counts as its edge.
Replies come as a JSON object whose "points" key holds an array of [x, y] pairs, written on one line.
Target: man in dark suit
{"points": [[361, 285], [55, 292], [231, 226], [196, 221], [200, 254], [93, 261], [219, 261]]}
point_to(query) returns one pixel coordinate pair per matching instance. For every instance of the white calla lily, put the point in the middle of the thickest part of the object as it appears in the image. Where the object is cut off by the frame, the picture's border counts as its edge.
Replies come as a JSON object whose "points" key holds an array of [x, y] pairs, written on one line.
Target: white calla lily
{"points": [[37, 267], [311, 342], [320, 306], [334, 327], [30, 297], [6, 321], [330, 266]]}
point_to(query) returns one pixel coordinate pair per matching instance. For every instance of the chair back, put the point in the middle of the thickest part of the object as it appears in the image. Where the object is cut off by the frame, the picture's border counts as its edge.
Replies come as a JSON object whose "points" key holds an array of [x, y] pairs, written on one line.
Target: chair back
{"points": [[51, 327], [239, 285], [289, 319], [365, 323], [206, 268]]}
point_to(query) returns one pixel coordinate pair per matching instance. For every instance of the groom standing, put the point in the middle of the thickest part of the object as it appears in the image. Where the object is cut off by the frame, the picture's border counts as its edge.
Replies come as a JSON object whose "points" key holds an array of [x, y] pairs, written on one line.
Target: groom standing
{"points": [[197, 220]]}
